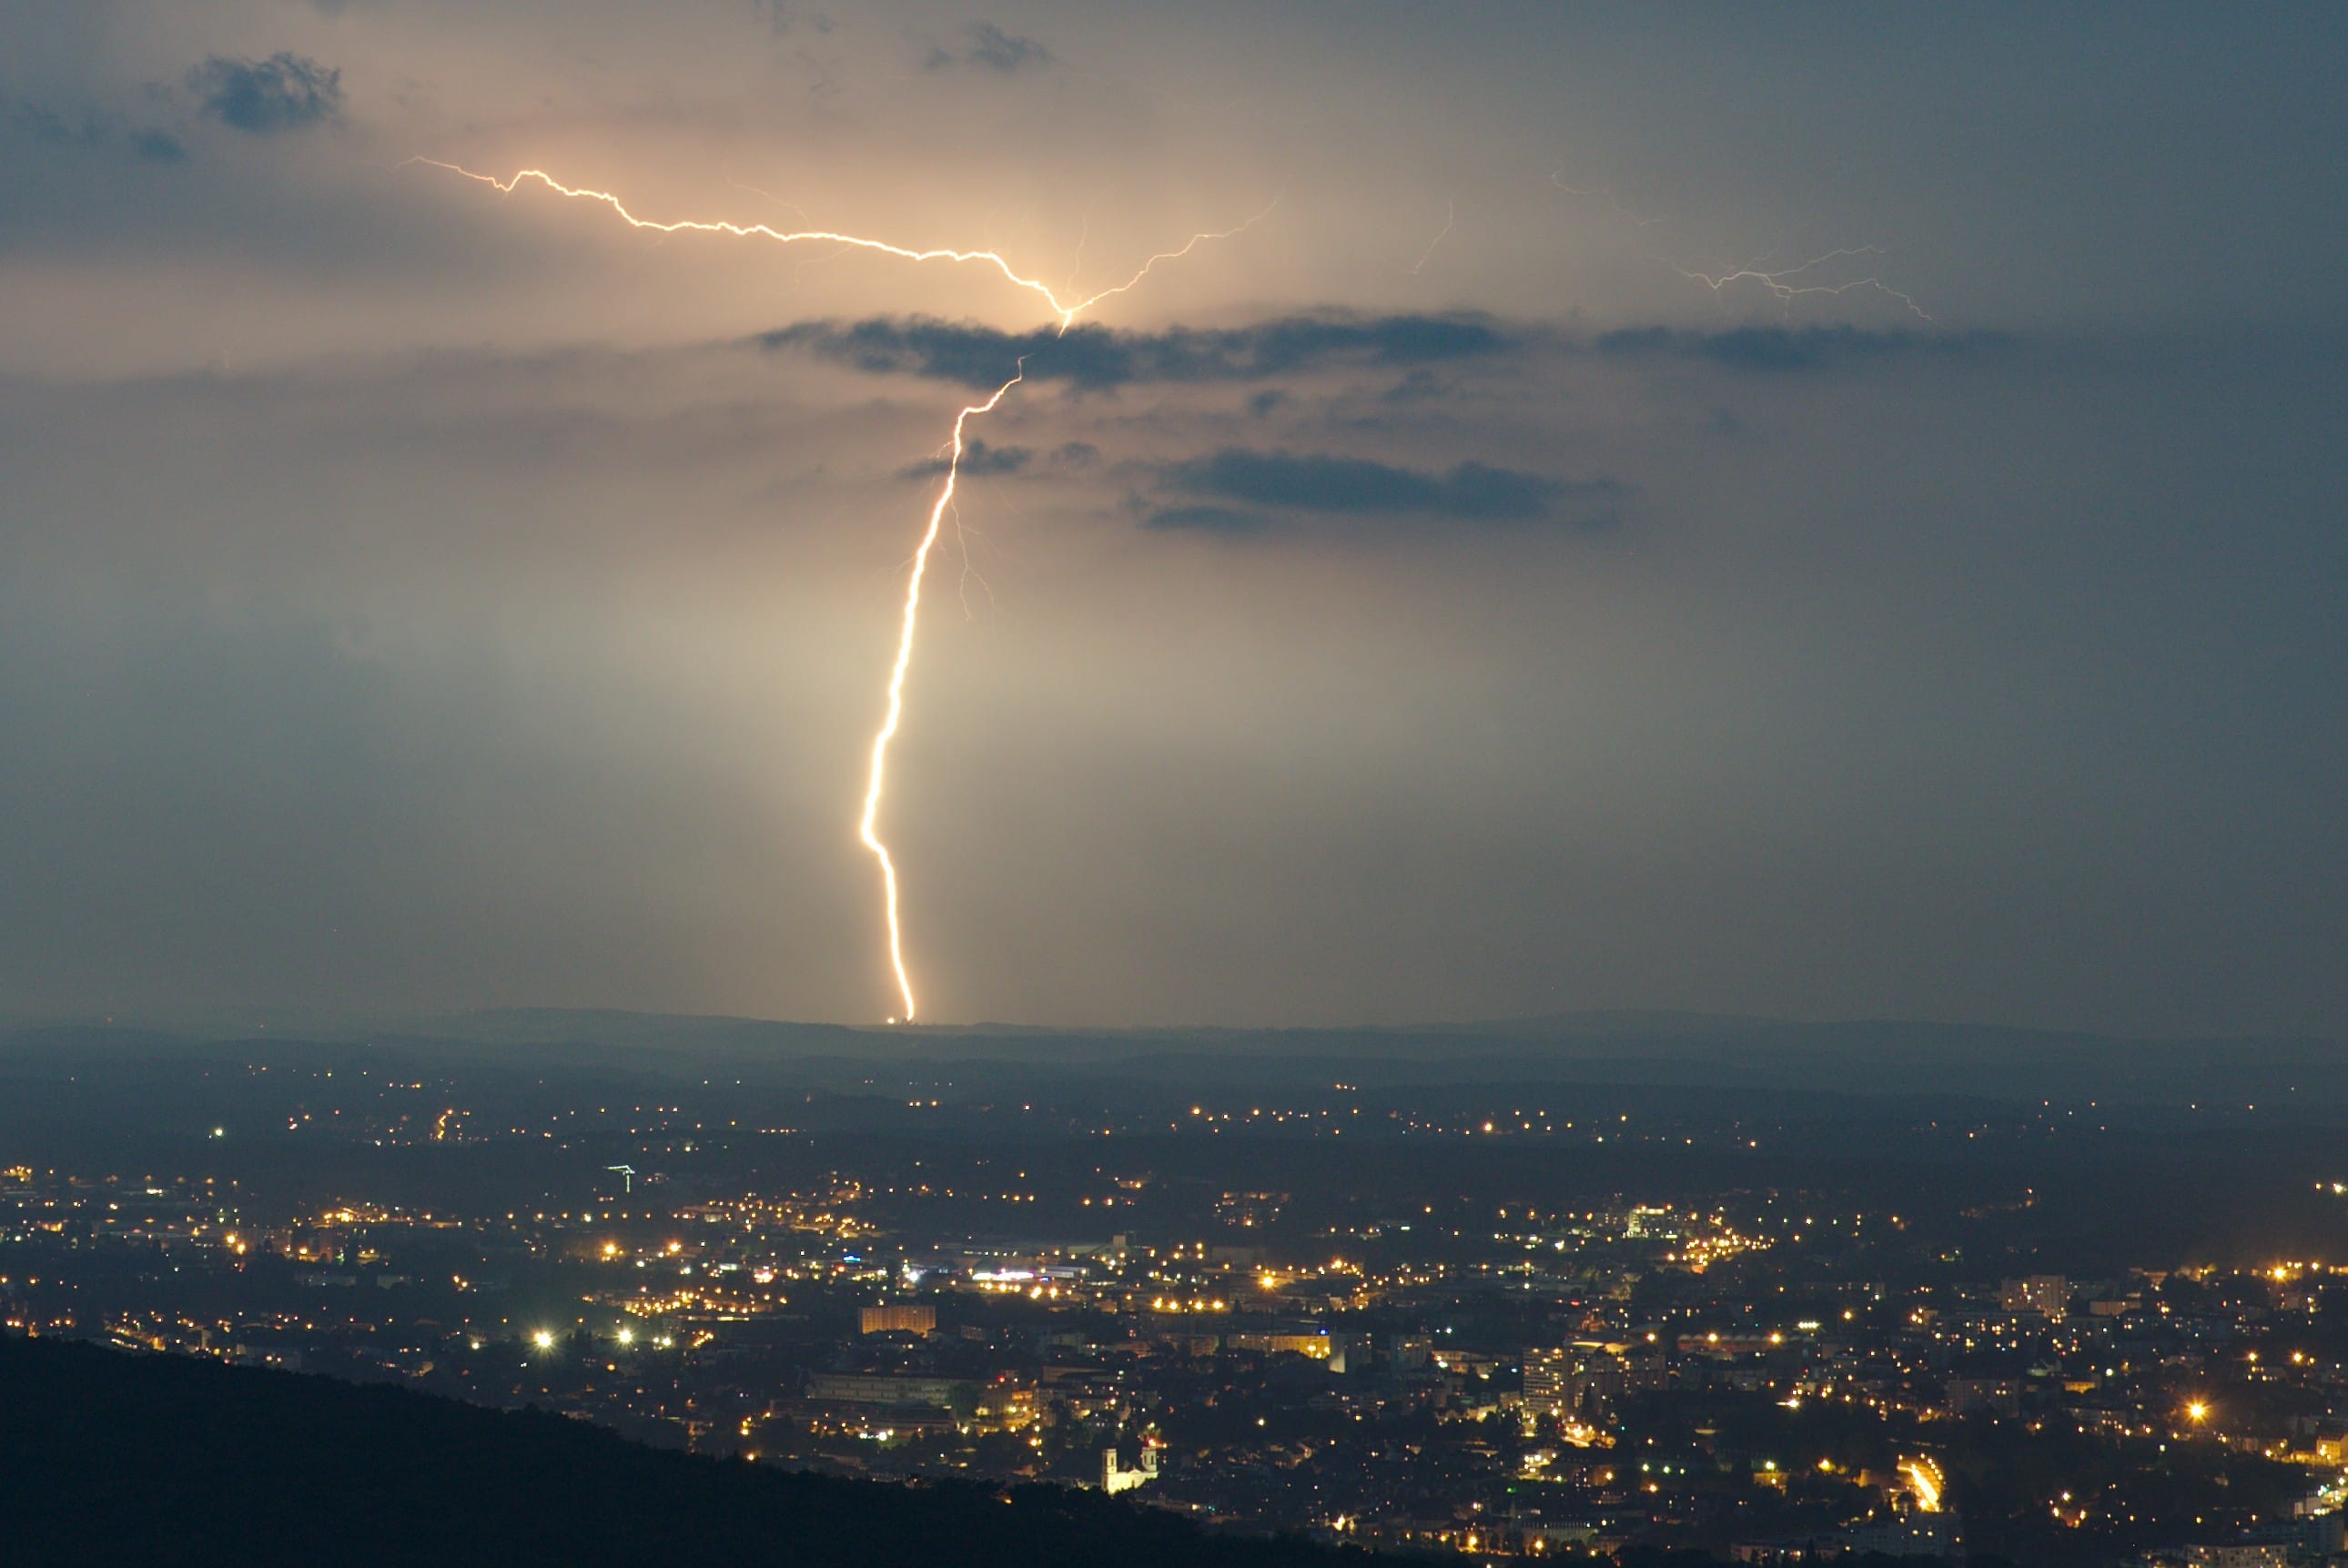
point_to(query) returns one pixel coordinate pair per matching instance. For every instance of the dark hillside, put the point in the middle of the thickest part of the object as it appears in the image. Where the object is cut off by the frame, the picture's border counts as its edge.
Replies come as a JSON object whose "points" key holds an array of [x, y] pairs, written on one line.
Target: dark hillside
{"points": [[107, 1457]]}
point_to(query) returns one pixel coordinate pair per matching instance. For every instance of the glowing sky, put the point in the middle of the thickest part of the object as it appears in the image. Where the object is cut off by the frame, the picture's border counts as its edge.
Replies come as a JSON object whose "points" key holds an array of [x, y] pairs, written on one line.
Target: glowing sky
{"points": [[1432, 604]]}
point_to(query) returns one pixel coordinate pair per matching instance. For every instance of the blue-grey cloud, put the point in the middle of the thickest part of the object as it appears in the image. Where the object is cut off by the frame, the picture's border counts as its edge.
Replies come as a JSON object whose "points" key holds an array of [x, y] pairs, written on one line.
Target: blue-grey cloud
{"points": [[1778, 348], [978, 462], [1418, 386], [981, 461], [284, 92], [1478, 493], [989, 47], [1206, 519], [782, 17], [1097, 358], [92, 130]]}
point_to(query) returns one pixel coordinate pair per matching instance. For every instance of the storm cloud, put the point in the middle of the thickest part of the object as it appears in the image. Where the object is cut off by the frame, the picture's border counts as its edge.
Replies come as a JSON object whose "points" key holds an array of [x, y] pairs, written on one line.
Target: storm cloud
{"points": [[1778, 348], [1093, 357], [1467, 491], [263, 97], [979, 460], [89, 129], [1097, 357], [990, 47]]}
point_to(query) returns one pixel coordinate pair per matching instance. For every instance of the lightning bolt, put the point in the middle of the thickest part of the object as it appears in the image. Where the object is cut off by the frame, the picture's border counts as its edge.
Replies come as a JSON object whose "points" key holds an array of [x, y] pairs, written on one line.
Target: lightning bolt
{"points": [[1450, 218], [869, 828], [1066, 308], [1786, 283]]}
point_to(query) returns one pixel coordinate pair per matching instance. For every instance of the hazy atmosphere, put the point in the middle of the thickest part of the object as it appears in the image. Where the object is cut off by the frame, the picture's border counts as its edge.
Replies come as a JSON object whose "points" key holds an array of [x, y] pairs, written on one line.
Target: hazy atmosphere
{"points": [[1827, 513]]}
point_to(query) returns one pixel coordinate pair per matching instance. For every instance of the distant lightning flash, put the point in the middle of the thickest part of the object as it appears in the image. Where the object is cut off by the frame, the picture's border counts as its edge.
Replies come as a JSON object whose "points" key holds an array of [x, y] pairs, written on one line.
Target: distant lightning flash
{"points": [[1786, 283], [1450, 219], [1066, 308]]}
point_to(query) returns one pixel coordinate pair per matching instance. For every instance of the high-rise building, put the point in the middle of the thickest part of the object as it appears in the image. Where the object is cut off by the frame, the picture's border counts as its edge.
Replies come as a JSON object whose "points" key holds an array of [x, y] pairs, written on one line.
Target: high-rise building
{"points": [[2048, 1296], [898, 1318], [1549, 1375], [1570, 1380]]}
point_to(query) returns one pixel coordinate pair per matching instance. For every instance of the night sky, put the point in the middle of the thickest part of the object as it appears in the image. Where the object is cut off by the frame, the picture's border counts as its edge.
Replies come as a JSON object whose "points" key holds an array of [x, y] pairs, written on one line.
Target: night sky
{"points": [[1457, 595]]}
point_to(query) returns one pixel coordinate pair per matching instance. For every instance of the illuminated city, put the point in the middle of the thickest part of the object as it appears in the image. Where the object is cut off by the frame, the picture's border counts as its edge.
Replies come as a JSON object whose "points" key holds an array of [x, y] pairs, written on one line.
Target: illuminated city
{"points": [[1526, 1316]]}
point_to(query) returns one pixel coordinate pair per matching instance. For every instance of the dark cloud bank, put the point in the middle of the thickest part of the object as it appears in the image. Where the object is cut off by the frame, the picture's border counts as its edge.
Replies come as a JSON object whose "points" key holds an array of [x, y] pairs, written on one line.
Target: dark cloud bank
{"points": [[89, 129], [1234, 486], [1099, 358], [1778, 348], [1239, 491], [285, 92], [981, 459], [1234, 490]]}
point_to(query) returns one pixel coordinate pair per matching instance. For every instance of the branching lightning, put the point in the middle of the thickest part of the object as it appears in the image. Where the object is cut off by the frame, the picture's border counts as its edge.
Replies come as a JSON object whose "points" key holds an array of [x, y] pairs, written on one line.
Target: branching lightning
{"points": [[1789, 284], [1785, 285], [1066, 309], [1064, 304]]}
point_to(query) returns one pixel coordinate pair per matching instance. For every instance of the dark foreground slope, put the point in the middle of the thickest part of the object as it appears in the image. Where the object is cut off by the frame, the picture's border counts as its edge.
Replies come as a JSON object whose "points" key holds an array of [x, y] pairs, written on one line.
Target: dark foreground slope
{"points": [[106, 1458]]}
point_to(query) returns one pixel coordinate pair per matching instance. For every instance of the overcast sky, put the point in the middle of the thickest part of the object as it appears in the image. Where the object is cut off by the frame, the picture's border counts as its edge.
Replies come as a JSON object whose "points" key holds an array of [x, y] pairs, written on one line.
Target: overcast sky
{"points": [[1469, 591]]}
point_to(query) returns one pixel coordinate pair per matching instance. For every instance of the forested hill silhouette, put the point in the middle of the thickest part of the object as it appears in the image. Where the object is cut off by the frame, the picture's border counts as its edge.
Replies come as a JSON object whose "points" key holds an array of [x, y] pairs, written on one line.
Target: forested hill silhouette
{"points": [[107, 1457]]}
